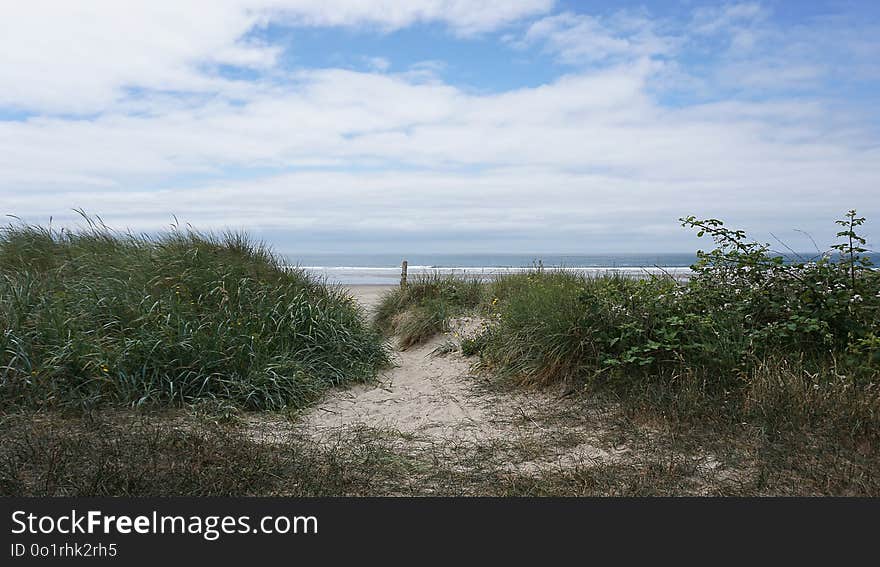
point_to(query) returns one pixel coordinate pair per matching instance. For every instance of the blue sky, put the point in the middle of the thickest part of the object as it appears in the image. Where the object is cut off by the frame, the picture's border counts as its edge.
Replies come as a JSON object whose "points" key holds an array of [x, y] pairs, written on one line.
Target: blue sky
{"points": [[531, 126]]}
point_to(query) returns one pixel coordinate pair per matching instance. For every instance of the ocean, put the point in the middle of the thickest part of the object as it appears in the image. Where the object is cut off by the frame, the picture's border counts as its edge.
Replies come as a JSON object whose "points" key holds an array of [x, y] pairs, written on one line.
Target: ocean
{"points": [[379, 269]]}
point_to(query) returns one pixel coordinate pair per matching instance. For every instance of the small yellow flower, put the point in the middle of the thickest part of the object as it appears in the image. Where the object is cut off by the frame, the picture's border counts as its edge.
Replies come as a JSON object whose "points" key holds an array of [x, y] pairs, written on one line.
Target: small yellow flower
{"points": [[104, 369]]}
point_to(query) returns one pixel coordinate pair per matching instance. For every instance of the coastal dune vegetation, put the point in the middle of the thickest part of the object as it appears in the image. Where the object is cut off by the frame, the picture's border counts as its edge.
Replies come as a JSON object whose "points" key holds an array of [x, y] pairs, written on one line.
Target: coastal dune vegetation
{"points": [[96, 317], [748, 332], [787, 346], [423, 308], [770, 364], [742, 310]]}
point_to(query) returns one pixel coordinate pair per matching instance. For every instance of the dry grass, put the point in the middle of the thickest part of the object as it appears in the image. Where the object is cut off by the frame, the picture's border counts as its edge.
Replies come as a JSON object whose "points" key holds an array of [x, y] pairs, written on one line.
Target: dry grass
{"points": [[205, 453]]}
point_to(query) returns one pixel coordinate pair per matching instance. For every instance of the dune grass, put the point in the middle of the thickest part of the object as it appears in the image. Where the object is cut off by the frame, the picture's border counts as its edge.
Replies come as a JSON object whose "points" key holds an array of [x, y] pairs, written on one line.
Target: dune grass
{"points": [[96, 317], [422, 309], [788, 345]]}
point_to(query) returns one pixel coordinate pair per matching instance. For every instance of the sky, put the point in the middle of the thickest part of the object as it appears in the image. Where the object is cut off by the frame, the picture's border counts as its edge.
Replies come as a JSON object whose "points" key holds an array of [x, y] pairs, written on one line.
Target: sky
{"points": [[444, 125]]}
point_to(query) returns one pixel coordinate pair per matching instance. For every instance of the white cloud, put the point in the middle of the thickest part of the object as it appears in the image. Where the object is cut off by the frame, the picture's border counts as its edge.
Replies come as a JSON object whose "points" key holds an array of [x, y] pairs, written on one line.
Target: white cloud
{"points": [[742, 27], [585, 39], [768, 74], [727, 17], [569, 158], [383, 153], [79, 56], [464, 16], [380, 64]]}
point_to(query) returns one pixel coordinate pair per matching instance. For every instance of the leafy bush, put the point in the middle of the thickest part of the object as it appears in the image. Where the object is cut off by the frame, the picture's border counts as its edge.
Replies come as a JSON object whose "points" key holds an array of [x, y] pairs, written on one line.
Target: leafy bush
{"points": [[813, 323], [830, 305], [96, 317]]}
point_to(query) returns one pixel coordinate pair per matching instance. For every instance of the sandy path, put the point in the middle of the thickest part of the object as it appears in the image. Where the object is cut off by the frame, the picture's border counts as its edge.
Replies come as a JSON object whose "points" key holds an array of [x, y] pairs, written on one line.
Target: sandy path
{"points": [[436, 408], [422, 393], [437, 398], [368, 295]]}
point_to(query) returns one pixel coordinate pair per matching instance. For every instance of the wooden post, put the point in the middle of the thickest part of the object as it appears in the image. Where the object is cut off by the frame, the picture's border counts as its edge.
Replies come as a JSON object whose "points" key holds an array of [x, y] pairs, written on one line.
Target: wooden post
{"points": [[403, 274]]}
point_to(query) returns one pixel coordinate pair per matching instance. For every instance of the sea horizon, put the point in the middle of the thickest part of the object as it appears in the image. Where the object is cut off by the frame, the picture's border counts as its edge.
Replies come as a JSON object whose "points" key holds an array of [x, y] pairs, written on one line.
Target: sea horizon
{"points": [[384, 269]]}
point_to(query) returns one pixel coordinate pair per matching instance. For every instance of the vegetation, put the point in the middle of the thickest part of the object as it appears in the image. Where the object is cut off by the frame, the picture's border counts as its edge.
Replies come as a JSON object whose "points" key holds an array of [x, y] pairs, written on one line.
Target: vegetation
{"points": [[756, 376], [750, 335], [423, 308], [778, 356], [96, 317], [138, 453]]}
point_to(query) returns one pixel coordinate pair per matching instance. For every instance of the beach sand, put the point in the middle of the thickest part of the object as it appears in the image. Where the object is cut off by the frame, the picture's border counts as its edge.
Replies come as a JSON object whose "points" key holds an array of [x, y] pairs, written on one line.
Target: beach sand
{"points": [[420, 393], [437, 399], [368, 295], [436, 410]]}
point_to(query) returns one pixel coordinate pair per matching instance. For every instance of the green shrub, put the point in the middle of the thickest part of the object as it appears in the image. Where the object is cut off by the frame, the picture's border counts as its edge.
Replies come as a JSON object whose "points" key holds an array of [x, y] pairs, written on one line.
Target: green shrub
{"points": [[471, 346], [824, 306], [97, 317], [748, 332]]}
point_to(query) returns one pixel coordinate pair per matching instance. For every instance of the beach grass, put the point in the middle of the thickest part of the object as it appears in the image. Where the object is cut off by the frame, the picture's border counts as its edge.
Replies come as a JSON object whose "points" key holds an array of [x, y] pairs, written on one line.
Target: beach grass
{"points": [[97, 317], [423, 308]]}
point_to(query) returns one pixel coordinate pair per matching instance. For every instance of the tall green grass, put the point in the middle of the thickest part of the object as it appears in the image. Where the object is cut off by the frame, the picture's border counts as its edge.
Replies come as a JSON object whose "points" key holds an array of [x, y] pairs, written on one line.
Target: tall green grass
{"points": [[554, 326], [423, 308], [97, 317]]}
